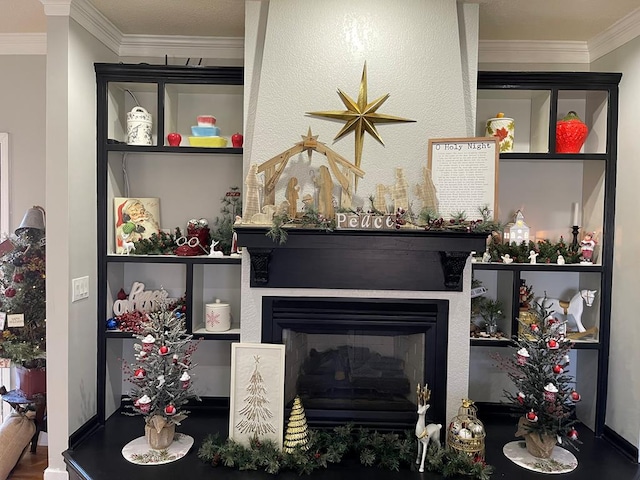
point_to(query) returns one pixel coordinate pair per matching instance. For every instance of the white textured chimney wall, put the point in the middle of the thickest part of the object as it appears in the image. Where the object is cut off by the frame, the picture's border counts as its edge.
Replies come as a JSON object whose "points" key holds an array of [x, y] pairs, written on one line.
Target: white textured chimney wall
{"points": [[300, 52]]}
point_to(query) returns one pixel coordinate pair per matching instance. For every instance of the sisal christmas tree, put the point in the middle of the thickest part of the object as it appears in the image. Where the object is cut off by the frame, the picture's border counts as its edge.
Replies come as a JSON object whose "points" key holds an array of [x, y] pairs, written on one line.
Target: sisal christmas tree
{"points": [[256, 416], [22, 298], [544, 389], [222, 228], [160, 374], [297, 434]]}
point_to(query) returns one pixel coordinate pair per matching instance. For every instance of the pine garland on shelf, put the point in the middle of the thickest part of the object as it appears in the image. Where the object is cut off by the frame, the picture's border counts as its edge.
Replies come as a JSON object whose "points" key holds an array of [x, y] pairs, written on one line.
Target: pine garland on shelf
{"points": [[160, 243], [390, 451], [427, 220], [547, 251], [310, 218]]}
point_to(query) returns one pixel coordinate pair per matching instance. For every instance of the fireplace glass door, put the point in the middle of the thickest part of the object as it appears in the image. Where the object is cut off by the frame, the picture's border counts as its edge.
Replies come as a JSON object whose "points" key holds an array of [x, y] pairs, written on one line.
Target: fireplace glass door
{"points": [[360, 361]]}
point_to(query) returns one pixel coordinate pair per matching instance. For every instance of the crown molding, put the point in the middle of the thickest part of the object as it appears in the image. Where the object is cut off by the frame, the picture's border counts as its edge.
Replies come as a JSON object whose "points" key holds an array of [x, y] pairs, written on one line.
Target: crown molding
{"points": [[56, 8], [97, 24], [23, 43], [524, 51], [621, 32], [181, 46]]}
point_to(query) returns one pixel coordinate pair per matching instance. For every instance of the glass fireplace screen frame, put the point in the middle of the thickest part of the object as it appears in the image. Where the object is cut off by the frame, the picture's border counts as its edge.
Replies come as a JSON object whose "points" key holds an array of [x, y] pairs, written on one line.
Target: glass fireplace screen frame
{"points": [[371, 316]]}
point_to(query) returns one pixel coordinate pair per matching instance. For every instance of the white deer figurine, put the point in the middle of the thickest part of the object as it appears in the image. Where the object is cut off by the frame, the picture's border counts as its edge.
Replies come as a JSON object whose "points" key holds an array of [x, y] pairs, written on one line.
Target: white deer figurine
{"points": [[425, 434], [127, 245]]}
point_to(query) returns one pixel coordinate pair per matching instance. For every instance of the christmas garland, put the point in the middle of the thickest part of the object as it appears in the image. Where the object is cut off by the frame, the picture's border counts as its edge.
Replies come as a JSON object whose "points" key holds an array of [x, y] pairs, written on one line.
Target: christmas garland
{"points": [[426, 220], [547, 251], [390, 451]]}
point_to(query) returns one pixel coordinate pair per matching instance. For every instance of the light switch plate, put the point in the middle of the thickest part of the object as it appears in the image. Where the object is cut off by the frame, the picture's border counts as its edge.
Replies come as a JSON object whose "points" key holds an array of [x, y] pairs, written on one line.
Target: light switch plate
{"points": [[79, 288]]}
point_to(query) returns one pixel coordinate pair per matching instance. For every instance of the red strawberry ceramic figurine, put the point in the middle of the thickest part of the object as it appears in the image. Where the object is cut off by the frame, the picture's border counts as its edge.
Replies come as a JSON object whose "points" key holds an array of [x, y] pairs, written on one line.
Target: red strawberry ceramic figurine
{"points": [[571, 132]]}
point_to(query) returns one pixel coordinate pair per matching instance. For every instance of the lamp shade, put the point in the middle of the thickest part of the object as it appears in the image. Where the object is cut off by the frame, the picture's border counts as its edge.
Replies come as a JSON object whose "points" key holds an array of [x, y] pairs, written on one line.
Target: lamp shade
{"points": [[33, 218]]}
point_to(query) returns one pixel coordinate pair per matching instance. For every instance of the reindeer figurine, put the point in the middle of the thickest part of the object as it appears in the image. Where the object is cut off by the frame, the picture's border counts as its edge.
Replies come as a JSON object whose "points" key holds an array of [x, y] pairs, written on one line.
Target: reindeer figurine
{"points": [[425, 434]]}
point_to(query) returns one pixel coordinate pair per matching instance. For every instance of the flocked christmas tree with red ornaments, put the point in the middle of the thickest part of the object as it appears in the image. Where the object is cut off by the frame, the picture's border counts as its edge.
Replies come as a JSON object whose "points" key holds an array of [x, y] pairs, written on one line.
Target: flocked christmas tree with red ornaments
{"points": [[544, 388], [162, 384]]}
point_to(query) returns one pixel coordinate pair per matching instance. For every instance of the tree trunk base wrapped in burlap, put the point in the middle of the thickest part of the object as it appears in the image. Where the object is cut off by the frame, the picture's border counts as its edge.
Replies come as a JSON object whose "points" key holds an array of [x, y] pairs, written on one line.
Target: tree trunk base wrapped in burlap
{"points": [[538, 445]]}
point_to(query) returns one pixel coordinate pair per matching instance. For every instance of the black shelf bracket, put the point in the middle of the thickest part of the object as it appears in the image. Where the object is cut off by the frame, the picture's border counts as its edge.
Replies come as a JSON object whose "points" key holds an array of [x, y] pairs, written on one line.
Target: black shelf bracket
{"points": [[453, 264]]}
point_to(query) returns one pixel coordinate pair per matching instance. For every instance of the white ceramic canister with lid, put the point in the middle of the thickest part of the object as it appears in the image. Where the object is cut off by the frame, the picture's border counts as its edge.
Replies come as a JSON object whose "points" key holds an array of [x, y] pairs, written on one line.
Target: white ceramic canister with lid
{"points": [[139, 127], [217, 316]]}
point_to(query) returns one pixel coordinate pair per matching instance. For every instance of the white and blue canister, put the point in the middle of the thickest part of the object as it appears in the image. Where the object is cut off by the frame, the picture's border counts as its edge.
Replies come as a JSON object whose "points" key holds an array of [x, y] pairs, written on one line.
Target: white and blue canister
{"points": [[139, 127]]}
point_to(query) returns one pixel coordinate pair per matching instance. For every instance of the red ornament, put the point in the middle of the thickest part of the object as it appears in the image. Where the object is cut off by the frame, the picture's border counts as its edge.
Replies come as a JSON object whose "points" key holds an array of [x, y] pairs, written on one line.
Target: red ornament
{"points": [[174, 139], [575, 396], [237, 139], [573, 434], [532, 417], [557, 369], [163, 350], [521, 397], [552, 344], [534, 327], [571, 132], [140, 373], [10, 292], [122, 295], [170, 410], [18, 278]]}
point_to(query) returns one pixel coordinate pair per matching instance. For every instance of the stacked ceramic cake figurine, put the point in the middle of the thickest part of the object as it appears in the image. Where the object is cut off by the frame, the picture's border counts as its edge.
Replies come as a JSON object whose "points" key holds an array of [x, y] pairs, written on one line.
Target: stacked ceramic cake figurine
{"points": [[206, 134]]}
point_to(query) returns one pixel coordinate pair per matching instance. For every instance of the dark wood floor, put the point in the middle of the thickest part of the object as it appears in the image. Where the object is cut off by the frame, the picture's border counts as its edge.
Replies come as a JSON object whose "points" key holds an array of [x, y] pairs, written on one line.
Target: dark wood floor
{"points": [[99, 457]]}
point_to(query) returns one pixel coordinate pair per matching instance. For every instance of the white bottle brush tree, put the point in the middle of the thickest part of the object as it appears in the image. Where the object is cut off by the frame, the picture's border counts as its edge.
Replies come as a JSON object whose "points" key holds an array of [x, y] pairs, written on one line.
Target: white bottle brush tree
{"points": [[160, 376]]}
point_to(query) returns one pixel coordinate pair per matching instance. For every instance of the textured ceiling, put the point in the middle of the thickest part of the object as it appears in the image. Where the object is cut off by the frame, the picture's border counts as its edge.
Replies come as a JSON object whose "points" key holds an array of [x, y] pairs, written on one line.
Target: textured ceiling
{"points": [[499, 19], [550, 19]]}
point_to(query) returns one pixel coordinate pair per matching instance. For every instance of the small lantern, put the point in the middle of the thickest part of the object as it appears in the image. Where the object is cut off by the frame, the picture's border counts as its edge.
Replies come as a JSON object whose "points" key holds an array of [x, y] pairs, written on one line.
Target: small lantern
{"points": [[516, 231], [466, 432]]}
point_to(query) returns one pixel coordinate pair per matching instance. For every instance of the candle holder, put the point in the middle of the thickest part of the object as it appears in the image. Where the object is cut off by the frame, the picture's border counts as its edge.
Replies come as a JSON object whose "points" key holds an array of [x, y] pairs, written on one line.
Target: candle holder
{"points": [[574, 231]]}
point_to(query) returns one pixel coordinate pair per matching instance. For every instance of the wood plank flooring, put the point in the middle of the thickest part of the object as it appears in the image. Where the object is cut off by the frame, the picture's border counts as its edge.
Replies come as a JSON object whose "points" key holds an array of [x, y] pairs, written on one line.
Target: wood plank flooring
{"points": [[31, 465]]}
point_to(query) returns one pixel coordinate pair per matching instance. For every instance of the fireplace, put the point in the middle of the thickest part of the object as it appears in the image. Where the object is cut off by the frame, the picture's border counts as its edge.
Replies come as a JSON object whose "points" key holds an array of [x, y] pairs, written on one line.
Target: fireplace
{"points": [[392, 288], [355, 359]]}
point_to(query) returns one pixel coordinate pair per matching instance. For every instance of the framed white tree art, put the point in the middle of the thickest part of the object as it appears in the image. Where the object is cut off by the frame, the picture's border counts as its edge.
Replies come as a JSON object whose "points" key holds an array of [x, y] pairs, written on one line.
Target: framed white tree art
{"points": [[257, 392]]}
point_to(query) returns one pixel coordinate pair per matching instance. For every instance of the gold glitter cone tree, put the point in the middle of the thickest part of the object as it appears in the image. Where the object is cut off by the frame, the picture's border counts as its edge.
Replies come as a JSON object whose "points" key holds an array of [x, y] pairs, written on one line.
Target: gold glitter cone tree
{"points": [[297, 434]]}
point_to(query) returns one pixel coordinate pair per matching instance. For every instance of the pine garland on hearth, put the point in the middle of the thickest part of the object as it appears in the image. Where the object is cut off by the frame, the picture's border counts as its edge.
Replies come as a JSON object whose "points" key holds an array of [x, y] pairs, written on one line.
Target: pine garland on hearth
{"points": [[390, 451]]}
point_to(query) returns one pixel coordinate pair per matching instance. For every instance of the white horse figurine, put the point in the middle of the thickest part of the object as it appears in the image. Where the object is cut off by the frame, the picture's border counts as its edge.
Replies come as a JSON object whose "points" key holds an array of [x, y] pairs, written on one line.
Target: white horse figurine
{"points": [[424, 434], [573, 307]]}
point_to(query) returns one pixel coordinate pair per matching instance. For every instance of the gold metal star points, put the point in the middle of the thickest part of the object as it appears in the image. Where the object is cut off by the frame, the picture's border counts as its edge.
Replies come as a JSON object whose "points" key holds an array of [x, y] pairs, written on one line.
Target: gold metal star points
{"points": [[360, 116]]}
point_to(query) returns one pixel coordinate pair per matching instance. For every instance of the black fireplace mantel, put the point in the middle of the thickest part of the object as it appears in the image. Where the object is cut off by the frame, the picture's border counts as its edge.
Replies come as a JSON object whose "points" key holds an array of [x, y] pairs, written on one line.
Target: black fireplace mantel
{"points": [[412, 260]]}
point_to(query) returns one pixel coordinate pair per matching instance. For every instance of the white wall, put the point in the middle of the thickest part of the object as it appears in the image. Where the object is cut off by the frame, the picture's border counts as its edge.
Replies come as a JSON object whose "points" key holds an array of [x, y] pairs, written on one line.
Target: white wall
{"points": [[71, 232], [84, 50], [412, 49], [22, 116], [624, 380]]}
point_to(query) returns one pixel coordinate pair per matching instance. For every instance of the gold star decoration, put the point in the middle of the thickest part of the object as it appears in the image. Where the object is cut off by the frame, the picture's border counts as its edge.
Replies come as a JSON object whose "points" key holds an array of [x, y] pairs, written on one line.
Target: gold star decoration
{"points": [[360, 116]]}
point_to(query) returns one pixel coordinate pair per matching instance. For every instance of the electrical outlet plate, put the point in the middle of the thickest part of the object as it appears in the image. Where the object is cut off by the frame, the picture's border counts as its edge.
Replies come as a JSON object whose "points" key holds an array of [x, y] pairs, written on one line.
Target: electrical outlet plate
{"points": [[79, 288]]}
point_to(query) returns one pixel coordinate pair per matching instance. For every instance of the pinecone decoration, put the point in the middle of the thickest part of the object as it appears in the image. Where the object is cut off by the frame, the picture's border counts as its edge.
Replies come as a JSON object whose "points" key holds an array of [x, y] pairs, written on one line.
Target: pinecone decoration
{"points": [[297, 434]]}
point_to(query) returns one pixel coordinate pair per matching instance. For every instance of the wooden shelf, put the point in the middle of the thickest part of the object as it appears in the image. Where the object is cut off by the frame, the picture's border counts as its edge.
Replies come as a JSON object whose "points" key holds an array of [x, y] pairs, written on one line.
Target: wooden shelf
{"points": [[196, 260]]}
